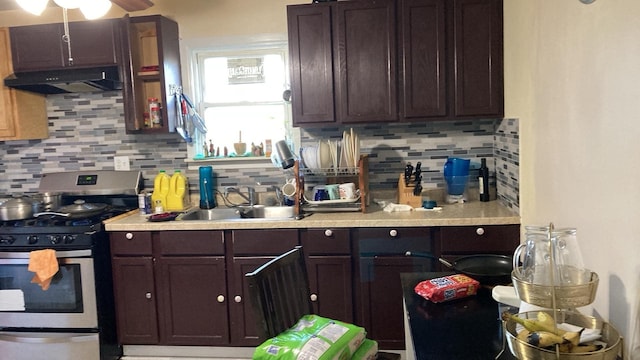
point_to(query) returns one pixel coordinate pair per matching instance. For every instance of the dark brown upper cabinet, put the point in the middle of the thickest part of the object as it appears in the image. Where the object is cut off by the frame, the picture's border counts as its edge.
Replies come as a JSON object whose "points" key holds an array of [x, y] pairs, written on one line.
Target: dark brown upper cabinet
{"points": [[423, 89], [342, 68], [151, 69], [395, 60], [43, 47], [365, 67], [311, 63], [477, 38]]}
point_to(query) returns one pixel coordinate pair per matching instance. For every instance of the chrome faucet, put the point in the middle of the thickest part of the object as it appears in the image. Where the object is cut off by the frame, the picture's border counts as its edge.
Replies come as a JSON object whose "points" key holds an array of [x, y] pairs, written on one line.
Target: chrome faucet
{"points": [[250, 198]]}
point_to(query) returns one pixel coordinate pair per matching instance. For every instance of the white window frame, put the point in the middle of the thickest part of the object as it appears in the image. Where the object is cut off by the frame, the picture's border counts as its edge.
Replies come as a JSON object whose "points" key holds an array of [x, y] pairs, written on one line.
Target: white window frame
{"points": [[240, 48]]}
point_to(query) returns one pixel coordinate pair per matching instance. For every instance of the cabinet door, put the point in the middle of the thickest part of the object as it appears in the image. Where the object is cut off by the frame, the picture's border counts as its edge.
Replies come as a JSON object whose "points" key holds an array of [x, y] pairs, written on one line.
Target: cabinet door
{"points": [[423, 90], [379, 290], [311, 63], [365, 66], [192, 300], [242, 319], [93, 43], [380, 296], [37, 47], [42, 47], [150, 41], [329, 267], [135, 300], [478, 51], [331, 285], [251, 249]]}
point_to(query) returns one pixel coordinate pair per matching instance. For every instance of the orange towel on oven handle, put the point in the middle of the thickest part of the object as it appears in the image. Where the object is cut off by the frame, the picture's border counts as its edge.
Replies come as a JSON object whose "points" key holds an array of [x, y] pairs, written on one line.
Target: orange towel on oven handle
{"points": [[45, 264]]}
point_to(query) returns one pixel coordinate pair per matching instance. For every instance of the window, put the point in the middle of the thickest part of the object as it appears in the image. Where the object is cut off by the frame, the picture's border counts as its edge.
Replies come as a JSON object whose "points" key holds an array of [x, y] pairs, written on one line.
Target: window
{"points": [[241, 96]]}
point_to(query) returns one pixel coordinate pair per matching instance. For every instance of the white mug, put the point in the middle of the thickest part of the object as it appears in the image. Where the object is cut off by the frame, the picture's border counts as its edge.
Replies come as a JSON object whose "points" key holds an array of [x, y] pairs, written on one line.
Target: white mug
{"points": [[347, 191], [289, 188]]}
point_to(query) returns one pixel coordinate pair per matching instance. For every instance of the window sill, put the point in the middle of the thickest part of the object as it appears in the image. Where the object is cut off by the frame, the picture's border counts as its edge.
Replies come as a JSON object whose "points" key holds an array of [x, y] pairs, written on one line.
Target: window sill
{"points": [[231, 162]]}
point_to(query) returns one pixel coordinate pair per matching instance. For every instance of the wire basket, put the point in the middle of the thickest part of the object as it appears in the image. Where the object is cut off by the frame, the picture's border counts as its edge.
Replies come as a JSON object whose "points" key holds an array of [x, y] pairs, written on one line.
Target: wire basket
{"points": [[566, 296], [523, 351]]}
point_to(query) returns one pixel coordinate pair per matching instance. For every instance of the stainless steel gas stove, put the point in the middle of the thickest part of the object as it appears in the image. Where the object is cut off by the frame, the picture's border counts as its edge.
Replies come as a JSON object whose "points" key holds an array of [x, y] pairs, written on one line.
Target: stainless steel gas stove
{"points": [[75, 317]]}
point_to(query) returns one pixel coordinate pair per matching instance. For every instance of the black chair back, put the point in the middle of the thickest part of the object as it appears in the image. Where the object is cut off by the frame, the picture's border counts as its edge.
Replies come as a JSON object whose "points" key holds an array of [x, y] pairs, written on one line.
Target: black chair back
{"points": [[279, 293]]}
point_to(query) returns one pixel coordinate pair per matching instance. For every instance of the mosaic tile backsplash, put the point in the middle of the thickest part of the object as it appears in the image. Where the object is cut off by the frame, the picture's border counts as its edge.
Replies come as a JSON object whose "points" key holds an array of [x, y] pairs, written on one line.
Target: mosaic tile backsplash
{"points": [[87, 131], [507, 162]]}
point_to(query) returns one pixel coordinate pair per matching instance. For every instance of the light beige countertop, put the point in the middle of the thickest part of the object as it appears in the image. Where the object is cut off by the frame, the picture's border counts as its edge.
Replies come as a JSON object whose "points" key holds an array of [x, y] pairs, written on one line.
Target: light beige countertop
{"points": [[470, 213]]}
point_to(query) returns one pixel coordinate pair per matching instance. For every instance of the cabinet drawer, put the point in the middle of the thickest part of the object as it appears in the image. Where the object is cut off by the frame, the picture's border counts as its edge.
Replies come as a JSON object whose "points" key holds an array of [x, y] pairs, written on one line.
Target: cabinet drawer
{"points": [[264, 242], [479, 239], [325, 241], [131, 243], [394, 241], [191, 242]]}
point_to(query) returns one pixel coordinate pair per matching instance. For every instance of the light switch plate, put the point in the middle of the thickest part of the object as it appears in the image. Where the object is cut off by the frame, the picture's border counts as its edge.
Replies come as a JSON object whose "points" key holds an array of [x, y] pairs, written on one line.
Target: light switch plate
{"points": [[121, 163]]}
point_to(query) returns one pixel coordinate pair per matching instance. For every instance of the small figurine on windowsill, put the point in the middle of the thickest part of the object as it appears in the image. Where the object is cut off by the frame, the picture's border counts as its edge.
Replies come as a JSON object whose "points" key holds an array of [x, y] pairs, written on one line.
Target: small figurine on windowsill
{"points": [[256, 150]]}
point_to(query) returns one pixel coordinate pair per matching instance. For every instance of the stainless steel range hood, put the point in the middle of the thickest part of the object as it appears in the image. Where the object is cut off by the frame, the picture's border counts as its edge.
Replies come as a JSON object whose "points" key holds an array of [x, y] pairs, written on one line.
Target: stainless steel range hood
{"points": [[66, 81]]}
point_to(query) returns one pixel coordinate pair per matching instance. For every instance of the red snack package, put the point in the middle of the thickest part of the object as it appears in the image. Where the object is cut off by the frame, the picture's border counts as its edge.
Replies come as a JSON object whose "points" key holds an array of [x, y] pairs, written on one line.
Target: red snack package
{"points": [[447, 288]]}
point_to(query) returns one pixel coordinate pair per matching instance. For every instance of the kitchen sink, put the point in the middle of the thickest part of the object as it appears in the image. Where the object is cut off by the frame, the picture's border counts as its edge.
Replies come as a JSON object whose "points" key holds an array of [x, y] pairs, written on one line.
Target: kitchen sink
{"points": [[211, 214], [240, 213], [268, 212]]}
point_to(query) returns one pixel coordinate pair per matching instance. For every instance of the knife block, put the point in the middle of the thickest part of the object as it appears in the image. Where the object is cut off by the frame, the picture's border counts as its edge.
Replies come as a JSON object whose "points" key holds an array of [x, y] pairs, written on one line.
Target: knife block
{"points": [[405, 194]]}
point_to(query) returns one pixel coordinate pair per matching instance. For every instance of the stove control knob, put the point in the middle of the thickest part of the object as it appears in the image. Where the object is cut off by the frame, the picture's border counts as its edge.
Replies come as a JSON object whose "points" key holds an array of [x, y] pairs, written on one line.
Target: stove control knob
{"points": [[68, 239], [55, 239], [32, 239], [7, 239]]}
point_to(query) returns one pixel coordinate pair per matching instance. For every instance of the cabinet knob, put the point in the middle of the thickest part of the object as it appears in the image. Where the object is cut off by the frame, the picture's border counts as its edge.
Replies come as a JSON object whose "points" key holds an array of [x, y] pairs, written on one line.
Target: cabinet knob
{"points": [[148, 295], [393, 233], [314, 297], [220, 298], [128, 236], [328, 232], [237, 299], [480, 231]]}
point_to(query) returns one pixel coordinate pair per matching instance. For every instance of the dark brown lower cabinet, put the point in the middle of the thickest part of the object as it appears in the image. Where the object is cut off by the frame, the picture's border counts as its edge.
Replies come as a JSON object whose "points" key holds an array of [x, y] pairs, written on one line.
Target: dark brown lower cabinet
{"points": [[188, 287], [135, 300], [247, 250], [170, 287], [382, 257], [330, 270], [191, 300]]}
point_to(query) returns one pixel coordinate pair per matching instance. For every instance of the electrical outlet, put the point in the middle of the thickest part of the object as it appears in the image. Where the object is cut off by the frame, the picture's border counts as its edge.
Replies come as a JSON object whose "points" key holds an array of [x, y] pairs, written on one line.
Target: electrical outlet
{"points": [[121, 163]]}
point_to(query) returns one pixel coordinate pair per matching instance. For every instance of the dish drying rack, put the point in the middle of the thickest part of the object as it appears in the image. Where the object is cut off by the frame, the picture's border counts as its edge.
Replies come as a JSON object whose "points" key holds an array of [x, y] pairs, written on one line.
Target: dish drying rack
{"points": [[359, 175], [560, 299]]}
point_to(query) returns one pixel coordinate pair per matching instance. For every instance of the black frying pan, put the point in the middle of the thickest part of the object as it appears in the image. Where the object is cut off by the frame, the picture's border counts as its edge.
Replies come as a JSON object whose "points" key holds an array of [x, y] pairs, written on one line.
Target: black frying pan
{"points": [[488, 269]]}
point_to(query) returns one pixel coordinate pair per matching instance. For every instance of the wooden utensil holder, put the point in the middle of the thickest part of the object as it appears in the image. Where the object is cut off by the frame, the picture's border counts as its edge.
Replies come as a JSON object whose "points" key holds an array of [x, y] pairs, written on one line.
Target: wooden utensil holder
{"points": [[405, 194]]}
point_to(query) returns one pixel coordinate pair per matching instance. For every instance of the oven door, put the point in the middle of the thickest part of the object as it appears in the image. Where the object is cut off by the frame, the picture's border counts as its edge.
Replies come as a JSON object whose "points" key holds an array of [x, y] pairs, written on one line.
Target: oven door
{"points": [[49, 346], [69, 303]]}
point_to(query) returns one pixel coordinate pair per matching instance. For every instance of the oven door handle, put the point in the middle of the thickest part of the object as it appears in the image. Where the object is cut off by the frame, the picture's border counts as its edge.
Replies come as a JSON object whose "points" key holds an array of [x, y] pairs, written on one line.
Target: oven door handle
{"points": [[45, 338], [59, 254]]}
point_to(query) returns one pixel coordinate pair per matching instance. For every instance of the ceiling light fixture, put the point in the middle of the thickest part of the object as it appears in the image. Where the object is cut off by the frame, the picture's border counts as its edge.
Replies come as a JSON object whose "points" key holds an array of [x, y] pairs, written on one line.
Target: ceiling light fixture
{"points": [[36, 7], [69, 4], [91, 9], [95, 9], [587, 1]]}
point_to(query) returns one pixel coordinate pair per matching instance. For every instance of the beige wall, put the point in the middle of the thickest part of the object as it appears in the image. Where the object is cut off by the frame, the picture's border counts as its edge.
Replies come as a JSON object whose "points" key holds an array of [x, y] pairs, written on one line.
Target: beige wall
{"points": [[572, 77]]}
